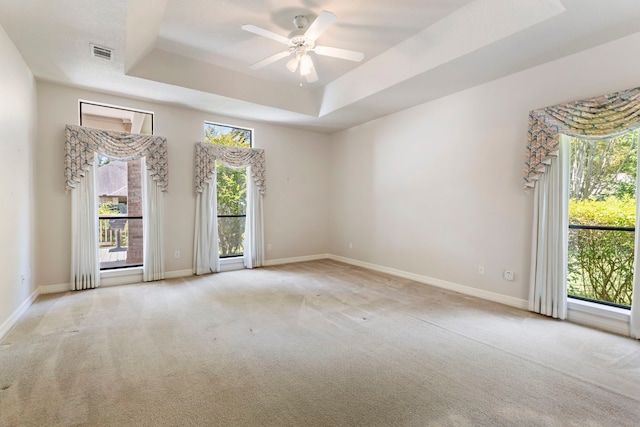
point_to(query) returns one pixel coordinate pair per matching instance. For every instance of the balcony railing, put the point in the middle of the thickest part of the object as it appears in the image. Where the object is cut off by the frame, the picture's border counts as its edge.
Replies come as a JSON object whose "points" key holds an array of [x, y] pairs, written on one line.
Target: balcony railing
{"points": [[120, 241], [600, 267], [231, 235]]}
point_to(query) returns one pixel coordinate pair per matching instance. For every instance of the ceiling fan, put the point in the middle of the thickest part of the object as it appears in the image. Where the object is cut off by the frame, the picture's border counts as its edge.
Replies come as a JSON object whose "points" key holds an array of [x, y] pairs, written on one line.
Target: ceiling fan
{"points": [[300, 42]]}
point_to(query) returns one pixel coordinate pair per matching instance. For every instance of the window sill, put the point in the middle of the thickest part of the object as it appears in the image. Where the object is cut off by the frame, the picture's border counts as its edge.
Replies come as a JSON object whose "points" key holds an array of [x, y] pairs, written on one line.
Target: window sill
{"points": [[121, 276], [231, 264], [612, 319]]}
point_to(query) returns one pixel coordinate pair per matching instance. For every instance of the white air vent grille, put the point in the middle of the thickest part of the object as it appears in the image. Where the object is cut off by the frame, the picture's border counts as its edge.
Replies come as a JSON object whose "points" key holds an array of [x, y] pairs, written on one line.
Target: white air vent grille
{"points": [[102, 52]]}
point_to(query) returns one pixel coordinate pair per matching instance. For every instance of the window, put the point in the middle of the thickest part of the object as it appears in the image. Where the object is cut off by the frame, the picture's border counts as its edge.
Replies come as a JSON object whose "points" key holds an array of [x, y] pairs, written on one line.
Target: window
{"points": [[231, 190], [119, 188], [602, 217]]}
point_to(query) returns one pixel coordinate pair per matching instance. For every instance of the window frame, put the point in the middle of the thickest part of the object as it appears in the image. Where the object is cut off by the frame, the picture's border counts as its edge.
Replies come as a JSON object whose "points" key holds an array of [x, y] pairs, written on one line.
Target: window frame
{"points": [[81, 103], [589, 306], [230, 258]]}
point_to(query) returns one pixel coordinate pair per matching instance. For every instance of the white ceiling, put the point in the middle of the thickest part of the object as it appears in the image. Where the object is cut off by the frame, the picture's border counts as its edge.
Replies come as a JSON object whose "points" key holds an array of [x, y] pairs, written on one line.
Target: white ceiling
{"points": [[194, 53]]}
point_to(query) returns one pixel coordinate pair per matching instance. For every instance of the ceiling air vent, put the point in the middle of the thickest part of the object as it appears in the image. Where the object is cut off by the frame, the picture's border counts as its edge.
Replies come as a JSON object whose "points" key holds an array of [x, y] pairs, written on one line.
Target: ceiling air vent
{"points": [[102, 52]]}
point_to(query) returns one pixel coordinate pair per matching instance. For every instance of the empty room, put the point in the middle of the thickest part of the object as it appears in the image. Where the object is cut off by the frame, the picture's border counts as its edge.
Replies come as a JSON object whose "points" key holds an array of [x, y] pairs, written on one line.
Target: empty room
{"points": [[319, 213]]}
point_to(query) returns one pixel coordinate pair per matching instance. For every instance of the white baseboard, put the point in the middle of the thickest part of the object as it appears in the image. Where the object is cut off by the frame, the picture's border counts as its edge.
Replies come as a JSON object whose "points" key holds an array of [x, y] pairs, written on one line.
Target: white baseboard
{"points": [[281, 261], [467, 290], [15, 316]]}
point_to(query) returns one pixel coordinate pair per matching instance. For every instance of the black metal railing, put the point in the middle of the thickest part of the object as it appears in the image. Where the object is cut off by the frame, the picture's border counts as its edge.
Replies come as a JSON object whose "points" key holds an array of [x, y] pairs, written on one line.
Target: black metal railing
{"points": [[601, 260], [120, 241]]}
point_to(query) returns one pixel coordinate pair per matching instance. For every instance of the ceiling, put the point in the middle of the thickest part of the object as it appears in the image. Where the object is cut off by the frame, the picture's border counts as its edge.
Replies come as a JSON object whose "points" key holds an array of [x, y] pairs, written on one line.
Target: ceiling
{"points": [[194, 53]]}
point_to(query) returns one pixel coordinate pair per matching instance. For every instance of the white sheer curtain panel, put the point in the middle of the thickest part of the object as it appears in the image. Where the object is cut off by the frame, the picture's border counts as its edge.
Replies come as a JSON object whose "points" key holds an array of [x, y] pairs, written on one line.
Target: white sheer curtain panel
{"points": [[81, 148], [548, 281], [205, 250], [85, 262], [253, 229], [634, 321], [152, 222], [205, 241]]}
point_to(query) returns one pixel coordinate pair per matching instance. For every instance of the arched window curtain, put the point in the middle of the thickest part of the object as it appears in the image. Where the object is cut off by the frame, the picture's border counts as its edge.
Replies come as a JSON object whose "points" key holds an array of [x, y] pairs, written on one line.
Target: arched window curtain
{"points": [[597, 118], [81, 148], [205, 247]]}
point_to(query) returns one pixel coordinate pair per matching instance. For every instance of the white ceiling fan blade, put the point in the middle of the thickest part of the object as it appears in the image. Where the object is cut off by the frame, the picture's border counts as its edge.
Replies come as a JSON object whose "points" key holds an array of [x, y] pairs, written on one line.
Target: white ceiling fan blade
{"points": [[320, 25], [312, 76], [335, 52], [270, 60], [265, 33]]}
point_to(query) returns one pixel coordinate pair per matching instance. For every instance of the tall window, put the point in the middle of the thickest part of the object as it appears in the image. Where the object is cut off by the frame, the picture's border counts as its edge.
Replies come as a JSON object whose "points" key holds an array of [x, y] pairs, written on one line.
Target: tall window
{"points": [[119, 188], [231, 187], [602, 217]]}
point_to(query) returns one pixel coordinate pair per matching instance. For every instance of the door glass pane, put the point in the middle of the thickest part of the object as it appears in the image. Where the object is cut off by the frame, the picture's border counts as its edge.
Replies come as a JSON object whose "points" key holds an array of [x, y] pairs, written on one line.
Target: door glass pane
{"points": [[120, 213], [602, 216]]}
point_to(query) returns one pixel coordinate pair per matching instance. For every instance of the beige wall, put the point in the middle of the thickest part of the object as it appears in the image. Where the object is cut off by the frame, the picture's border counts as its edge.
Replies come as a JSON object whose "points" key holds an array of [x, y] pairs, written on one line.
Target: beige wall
{"points": [[296, 213], [436, 190], [17, 136]]}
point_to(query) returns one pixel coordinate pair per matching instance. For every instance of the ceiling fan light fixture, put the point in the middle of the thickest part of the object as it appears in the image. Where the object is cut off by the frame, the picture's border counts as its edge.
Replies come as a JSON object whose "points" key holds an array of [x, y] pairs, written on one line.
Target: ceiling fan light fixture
{"points": [[305, 65], [302, 41], [292, 64]]}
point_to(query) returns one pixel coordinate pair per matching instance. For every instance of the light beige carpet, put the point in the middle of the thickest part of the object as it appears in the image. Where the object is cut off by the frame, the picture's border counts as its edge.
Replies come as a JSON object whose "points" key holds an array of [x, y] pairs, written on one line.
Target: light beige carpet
{"points": [[310, 344]]}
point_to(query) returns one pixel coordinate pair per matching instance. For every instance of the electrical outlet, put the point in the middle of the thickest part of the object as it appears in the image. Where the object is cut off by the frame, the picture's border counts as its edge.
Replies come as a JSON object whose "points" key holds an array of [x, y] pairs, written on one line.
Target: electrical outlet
{"points": [[508, 275], [350, 245], [269, 247], [481, 269], [177, 254]]}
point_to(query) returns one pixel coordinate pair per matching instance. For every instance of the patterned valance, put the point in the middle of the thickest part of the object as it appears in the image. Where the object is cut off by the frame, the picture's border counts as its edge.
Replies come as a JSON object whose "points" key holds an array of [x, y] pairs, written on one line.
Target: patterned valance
{"points": [[82, 143], [597, 118], [207, 154]]}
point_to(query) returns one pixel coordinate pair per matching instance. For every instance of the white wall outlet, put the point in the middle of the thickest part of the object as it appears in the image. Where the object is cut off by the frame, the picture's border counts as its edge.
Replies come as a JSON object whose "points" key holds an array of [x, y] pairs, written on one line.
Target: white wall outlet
{"points": [[176, 254], [269, 247], [481, 269], [350, 245], [508, 275]]}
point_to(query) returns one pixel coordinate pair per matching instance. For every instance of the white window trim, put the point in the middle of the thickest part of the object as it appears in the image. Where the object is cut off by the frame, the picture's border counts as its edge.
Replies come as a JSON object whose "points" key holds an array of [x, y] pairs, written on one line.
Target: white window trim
{"points": [[232, 263], [612, 319], [121, 276]]}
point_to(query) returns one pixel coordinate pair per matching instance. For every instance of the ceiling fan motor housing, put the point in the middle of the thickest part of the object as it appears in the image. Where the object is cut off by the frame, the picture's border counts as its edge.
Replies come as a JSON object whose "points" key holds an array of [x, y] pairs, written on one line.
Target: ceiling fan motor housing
{"points": [[296, 37], [300, 43], [300, 22]]}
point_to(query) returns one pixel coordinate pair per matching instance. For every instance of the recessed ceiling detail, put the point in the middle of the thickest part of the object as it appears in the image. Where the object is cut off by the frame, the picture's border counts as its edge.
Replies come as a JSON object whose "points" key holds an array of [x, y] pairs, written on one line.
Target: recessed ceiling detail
{"points": [[195, 53]]}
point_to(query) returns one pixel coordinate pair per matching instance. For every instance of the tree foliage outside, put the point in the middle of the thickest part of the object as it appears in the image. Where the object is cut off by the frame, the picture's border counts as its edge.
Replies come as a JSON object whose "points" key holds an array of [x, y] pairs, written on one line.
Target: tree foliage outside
{"points": [[601, 261], [602, 193], [604, 168], [231, 190]]}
